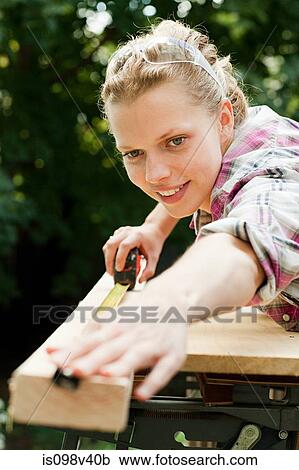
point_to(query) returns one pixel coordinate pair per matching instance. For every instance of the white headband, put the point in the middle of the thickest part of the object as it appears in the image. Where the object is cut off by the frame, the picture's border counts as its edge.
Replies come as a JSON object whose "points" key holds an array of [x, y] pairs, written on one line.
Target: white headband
{"points": [[199, 58]]}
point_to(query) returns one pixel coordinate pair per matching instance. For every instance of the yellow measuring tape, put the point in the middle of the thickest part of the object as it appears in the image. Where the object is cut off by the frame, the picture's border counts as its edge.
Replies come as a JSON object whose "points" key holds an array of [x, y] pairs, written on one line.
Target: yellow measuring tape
{"points": [[113, 297]]}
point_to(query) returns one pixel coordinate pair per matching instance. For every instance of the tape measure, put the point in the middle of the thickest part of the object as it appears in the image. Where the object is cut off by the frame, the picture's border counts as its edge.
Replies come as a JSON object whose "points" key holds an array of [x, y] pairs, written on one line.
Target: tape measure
{"points": [[123, 281]]}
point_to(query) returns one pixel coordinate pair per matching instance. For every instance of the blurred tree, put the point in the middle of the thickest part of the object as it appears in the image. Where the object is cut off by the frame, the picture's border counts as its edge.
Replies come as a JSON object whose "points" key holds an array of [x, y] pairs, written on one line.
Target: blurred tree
{"points": [[62, 188]]}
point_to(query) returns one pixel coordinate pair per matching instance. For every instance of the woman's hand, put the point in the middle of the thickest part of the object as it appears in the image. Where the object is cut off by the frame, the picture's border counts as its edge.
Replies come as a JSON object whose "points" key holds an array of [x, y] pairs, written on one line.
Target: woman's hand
{"points": [[147, 237], [118, 349]]}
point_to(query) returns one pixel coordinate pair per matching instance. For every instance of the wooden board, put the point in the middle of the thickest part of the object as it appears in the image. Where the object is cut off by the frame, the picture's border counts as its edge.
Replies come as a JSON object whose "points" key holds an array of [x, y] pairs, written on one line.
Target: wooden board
{"points": [[244, 343], [99, 403], [252, 344]]}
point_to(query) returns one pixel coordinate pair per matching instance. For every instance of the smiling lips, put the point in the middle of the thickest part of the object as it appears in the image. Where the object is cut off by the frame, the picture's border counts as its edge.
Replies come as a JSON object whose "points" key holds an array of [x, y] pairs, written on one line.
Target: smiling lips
{"points": [[171, 191], [173, 195]]}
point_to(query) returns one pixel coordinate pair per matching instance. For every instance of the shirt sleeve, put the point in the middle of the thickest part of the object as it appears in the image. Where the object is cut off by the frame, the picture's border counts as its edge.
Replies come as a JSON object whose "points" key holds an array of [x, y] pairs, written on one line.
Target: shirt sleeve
{"points": [[265, 213]]}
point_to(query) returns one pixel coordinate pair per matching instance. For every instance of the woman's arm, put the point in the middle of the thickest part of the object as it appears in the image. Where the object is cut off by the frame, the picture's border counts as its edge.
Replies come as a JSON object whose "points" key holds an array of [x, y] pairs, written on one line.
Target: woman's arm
{"points": [[219, 270], [162, 219]]}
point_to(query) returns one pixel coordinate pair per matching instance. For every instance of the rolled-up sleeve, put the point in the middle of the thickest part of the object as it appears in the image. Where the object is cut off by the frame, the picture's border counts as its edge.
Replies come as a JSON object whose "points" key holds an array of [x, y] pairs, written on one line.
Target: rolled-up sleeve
{"points": [[265, 213]]}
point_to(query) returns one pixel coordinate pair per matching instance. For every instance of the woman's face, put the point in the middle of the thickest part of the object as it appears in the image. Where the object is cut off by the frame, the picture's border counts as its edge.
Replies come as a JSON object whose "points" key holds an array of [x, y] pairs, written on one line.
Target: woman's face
{"points": [[172, 149]]}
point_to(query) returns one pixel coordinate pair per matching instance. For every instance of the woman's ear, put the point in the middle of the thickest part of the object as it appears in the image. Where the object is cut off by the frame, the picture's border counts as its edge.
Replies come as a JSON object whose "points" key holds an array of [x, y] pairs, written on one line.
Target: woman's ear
{"points": [[226, 124]]}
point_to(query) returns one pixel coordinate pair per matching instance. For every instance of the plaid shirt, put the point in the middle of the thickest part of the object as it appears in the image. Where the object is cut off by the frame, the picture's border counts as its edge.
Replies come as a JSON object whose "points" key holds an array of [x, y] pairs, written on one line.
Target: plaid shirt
{"points": [[256, 198]]}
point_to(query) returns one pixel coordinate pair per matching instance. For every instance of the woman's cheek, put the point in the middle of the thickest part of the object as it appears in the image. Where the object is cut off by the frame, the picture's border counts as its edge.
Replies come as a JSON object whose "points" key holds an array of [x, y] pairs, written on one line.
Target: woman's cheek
{"points": [[138, 180], [135, 170], [135, 175]]}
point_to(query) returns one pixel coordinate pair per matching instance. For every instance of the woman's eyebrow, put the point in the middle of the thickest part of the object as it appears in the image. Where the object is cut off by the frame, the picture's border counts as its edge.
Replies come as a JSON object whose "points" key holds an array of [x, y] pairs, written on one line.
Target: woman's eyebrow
{"points": [[166, 134]]}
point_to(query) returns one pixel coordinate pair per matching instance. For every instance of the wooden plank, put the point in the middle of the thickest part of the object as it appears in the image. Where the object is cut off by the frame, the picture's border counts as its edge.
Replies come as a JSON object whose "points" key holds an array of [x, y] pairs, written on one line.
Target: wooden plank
{"points": [[242, 344], [99, 403], [255, 345]]}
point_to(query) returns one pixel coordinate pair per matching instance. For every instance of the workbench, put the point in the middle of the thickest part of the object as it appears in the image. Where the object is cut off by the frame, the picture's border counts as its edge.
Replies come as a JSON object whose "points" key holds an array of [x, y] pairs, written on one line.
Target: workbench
{"points": [[238, 388]]}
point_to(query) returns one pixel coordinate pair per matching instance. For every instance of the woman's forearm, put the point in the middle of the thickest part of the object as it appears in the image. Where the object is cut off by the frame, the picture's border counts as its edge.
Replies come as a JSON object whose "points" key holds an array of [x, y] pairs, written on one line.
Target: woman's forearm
{"points": [[161, 218], [217, 271]]}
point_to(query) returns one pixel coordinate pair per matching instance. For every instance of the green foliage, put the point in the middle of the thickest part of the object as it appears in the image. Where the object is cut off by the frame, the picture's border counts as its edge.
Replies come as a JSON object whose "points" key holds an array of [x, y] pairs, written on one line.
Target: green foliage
{"points": [[59, 178]]}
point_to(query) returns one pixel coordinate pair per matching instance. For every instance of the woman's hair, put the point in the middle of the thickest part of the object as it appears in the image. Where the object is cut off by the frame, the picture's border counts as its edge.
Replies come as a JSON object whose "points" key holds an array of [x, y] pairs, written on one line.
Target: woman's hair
{"points": [[129, 75]]}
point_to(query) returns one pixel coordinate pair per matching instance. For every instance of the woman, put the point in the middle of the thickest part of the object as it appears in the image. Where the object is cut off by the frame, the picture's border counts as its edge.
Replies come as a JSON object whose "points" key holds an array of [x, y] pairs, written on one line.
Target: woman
{"points": [[190, 141]]}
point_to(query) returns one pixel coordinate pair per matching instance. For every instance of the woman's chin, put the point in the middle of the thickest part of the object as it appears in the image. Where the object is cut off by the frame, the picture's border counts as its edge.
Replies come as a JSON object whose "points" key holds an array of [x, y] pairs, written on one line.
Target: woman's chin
{"points": [[179, 213]]}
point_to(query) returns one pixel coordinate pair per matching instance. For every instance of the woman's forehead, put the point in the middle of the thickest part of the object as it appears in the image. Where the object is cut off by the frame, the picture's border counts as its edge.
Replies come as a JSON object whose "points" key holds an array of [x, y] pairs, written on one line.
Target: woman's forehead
{"points": [[156, 112], [133, 132], [164, 98]]}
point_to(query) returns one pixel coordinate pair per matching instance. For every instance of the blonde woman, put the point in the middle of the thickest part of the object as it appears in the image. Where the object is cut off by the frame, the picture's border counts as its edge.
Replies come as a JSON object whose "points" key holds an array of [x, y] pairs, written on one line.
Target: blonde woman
{"points": [[190, 141]]}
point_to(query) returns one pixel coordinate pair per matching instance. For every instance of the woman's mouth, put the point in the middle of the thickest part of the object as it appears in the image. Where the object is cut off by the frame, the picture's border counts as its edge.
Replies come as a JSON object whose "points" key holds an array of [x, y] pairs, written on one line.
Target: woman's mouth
{"points": [[173, 195]]}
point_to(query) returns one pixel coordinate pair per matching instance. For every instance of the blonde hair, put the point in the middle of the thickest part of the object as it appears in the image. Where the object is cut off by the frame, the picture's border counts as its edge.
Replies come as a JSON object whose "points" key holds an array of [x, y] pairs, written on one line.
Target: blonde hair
{"points": [[130, 76]]}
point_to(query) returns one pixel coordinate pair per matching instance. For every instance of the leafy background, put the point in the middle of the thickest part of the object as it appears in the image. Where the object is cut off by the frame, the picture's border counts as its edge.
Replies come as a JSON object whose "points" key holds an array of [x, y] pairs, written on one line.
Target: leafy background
{"points": [[63, 190]]}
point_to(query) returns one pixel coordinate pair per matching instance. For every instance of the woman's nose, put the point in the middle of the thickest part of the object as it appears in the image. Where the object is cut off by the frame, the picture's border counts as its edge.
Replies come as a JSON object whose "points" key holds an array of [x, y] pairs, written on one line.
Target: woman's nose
{"points": [[156, 169]]}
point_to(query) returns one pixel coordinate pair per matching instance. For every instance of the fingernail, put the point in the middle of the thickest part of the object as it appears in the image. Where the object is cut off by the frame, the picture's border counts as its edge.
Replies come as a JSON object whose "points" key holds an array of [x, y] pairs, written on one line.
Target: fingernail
{"points": [[105, 372], [142, 392], [80, 367], [67, 371]]}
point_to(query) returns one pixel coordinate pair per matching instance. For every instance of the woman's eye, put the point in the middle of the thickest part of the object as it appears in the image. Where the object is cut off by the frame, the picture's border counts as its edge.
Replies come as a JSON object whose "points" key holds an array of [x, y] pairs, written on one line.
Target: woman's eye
{"points": [[133, 154], [177, 141]]}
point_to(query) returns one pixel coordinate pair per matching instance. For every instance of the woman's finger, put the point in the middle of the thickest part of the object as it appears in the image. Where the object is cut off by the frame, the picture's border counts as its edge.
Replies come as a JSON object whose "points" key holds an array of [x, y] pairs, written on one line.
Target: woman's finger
{"points": [[158, 378], [51, 349], [84, 344], [123, 250], [103, 354], [136, 358], [111, 246], [109, 250], [150, 268]]}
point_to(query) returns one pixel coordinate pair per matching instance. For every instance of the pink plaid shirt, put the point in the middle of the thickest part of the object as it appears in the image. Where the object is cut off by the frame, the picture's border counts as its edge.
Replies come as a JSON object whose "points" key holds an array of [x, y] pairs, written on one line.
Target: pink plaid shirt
{"points": [[256, 198]]}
